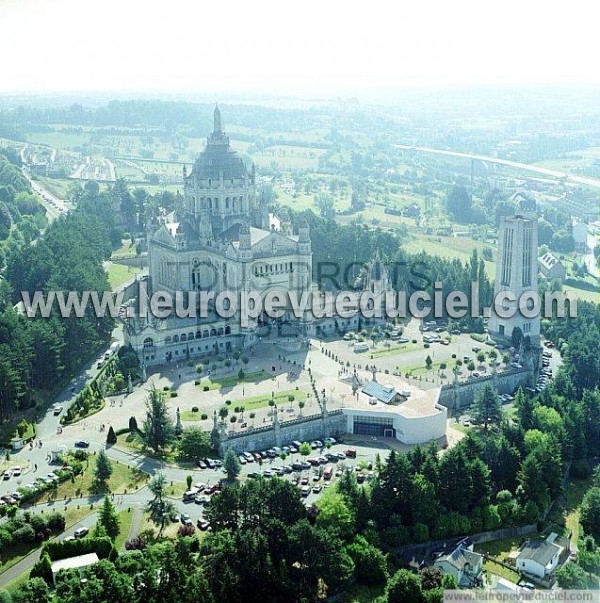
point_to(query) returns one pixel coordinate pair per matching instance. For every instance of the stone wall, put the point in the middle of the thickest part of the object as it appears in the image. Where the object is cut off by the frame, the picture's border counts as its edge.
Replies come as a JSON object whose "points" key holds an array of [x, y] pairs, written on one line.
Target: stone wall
{"points": [[303, 429], [461, 395]]}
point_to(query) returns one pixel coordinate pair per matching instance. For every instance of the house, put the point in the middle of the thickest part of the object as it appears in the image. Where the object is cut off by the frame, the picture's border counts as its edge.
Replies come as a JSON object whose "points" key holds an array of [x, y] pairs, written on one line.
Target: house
{"points": [[79, 562], [551, 267], [462, 562], [580, 235], [541, 557]]}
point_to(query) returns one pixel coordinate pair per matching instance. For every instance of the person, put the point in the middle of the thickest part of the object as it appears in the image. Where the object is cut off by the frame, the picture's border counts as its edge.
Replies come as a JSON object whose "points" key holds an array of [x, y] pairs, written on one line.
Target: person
{"points": [[35, 467]]}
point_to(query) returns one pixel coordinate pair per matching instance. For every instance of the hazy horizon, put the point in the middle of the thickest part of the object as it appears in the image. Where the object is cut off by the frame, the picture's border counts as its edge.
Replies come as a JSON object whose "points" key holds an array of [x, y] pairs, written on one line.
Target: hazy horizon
{"points": [[269, 49]]}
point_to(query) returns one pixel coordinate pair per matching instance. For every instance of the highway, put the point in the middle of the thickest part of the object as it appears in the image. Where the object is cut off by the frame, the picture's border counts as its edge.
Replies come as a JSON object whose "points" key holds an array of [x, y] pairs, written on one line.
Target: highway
{"points": [[513, 164]]}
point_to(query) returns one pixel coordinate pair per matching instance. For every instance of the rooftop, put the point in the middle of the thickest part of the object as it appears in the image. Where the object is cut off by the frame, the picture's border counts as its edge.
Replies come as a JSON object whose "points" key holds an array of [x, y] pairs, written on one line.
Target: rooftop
{"points": [[74, 562]]}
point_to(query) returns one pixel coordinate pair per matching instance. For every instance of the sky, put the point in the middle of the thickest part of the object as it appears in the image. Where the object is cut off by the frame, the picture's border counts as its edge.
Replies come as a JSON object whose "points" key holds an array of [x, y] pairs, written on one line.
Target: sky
{"points": [[301, 48]]}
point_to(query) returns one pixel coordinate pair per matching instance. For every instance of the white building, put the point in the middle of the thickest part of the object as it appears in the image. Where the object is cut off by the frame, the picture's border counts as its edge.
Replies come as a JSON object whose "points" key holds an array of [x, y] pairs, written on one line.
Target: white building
{"points": [[416, 419], [580, 236], [541, 557], [551, 267], [516, 274], [461, 562]]}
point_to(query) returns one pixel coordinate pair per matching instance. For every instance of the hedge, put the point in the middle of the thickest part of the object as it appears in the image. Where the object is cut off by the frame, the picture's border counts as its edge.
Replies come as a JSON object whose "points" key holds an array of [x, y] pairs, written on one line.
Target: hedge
{"points": [[103, 547]]}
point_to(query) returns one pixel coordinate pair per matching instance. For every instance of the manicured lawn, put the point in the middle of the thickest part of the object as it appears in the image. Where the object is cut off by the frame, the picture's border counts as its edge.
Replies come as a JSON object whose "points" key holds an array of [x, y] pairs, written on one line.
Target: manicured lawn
{"points": [[188, 415], [501, 571], [126, 519], [260, 401], [176, 490], [126, 250], [123, 479], [119, 274], [231, 380], [381, 350], [566, 511], [421, 369]]}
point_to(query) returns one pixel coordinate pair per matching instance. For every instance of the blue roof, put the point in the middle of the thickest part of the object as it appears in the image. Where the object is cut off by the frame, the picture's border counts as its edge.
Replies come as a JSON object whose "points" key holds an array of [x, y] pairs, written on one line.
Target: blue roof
{"points": [[384, 393]]}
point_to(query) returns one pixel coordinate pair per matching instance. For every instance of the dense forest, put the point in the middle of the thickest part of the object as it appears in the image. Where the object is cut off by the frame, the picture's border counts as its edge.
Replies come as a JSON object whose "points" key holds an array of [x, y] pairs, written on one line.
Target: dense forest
{"points": [[35, 354]]}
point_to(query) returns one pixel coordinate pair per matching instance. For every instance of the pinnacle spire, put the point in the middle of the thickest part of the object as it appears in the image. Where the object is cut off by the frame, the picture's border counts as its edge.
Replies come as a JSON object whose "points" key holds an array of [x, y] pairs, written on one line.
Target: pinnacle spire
{"points": [[217, 119]]}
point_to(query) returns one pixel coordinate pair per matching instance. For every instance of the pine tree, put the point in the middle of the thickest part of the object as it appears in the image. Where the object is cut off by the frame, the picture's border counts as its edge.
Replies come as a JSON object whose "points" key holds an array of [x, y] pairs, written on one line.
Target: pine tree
{"points": [[486, 407], [108, 518], [159, 508], [103, 469], [231, 464], [111, 436], [158, 431]]}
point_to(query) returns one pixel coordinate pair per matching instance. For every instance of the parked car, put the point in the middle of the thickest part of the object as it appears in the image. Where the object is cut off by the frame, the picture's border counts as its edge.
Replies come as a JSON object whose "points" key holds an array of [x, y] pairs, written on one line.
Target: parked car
{"points": [[7, 474], [305, 491], [81, 532], [184, 517], [317, 488], [16, 471], [202, 524], [350, 453], [82, 444]]}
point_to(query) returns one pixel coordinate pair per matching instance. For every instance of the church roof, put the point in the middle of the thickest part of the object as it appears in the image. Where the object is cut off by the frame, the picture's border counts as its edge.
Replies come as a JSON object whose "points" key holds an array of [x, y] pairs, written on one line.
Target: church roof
{"points": [[219, 158]]}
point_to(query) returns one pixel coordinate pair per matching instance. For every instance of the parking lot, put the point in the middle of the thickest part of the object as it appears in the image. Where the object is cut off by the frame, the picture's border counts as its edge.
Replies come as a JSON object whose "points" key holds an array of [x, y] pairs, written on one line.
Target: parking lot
{"points": [[315, 472]]}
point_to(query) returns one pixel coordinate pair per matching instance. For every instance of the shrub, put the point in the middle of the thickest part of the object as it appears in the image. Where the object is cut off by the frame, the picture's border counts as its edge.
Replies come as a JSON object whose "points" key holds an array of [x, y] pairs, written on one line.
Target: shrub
{"points": [[204, 416], [173, 394], [233, 419], [205, 388], [199, 368], [195, 409], [25, 534], [111, 436]]}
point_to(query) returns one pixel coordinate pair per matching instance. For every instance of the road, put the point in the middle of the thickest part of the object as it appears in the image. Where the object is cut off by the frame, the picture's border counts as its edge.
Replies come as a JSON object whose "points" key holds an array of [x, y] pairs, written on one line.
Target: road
{"points": [[514, 164], [589, 258]]}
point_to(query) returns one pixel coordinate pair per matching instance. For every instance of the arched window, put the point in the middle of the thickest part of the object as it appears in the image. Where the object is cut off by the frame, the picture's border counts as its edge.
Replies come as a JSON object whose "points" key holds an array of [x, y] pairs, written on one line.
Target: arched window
{"points": [[220, 331], [148, 342], [227, 330], [190, 336], [205, 333], [198, 334], [213, 332], [175, 338], [168, 339], [183, 337], [227, 203]]}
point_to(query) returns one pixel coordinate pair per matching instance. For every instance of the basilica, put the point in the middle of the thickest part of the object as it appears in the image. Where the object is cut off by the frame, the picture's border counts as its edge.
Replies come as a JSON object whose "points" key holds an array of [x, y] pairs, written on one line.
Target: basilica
{"points": [[223, 239]]}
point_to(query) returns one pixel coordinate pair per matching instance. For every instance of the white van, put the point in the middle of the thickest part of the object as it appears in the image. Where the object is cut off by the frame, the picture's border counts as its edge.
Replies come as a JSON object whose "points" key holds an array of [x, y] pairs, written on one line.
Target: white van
{"points": [[361, 347]]}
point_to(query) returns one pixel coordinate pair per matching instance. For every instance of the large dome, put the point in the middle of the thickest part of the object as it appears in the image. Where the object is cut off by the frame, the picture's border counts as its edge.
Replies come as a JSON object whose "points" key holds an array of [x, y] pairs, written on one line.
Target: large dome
{"points": [[218, 157]]}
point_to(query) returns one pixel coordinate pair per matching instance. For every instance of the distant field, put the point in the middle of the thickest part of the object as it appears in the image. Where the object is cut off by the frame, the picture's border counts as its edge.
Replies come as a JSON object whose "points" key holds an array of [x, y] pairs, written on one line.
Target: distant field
{"points": [[119, 274]]}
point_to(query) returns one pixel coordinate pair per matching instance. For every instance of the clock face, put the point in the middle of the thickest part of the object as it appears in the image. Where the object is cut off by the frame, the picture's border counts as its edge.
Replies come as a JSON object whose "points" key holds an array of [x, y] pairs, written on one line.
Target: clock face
{"points": [[196, 262]]}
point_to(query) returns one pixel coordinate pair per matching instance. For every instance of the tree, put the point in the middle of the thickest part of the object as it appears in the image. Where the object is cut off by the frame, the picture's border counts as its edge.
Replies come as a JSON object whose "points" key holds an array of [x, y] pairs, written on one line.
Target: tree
{"points": [[231, 464], [571, 576], [305, 449], [590, 512], [223, 412], [111, 437], [428, 362], [103, 469], [108, 518], [486, 407], [459, 204], [404, 587], [194, 444], [159, 508], [335, 515], [158, 431], [369, 562]]}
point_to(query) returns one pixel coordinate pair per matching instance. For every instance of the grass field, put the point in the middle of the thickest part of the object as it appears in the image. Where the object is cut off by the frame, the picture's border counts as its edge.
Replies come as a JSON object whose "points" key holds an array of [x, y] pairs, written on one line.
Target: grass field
{"points": [[126, 519], [231, 380], [123, 479], [392, 350], [565, 512], [119, 274], [281, 398]]}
